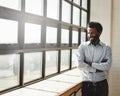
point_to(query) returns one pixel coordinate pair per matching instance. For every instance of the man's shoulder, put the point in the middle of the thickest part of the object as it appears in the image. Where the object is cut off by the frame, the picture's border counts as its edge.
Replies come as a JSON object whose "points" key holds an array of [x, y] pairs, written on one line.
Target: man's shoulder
{"points": [[104, 44]]}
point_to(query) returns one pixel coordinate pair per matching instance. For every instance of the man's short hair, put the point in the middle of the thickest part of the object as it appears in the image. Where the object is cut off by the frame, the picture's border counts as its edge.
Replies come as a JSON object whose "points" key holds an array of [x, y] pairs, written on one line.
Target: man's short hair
{"points": [[96, 25]]}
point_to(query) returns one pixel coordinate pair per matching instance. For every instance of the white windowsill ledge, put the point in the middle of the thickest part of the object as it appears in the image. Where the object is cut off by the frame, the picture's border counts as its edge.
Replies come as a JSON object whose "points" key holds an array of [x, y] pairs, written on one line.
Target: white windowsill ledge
{"points": [[54, 86]]}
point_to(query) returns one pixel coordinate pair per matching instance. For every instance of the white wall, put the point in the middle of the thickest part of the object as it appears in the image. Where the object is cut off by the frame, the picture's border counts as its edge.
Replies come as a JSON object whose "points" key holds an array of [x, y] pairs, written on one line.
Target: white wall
{"points": [[101, 12], [108, 13]]}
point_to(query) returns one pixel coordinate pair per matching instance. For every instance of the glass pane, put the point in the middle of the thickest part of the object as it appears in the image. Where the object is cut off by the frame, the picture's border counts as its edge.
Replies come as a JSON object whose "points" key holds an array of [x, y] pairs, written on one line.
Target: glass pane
{"points": [[76, 16], [9, 31], [65, 59], [66, 12], [84, 19], [53, 9], [65, 36], [32, 33], [34, 6], [84, 4], [74, 63], [83, 37], [51, 62], [51, 35], [77, 1], [9, 71], [14, 4], [32, 66], [75, 37]]}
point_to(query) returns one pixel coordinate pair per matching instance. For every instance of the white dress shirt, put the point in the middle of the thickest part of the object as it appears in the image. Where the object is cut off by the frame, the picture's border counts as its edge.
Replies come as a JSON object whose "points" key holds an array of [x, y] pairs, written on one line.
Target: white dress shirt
{"points": [[95, 54]]}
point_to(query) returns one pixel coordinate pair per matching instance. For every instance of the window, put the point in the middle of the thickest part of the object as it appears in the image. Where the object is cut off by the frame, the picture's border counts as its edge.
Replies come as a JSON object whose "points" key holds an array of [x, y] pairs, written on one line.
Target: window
{"points": [[76, 16], [51, 62], [14, 4], [83, 37], [84, 4], [74, 53], [84, 19], [77, 1], [10, 28], [34, 6], [66, 12], [9, 70], [53, 7], [39, 39], [75, 37], [65, 36], [65, 59], [51, 35], [32, 66], [32, 33]]}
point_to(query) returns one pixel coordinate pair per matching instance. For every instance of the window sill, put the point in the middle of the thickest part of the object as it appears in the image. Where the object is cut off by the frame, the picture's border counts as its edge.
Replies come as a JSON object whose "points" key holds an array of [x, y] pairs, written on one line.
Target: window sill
{"points": [[60, 85]]}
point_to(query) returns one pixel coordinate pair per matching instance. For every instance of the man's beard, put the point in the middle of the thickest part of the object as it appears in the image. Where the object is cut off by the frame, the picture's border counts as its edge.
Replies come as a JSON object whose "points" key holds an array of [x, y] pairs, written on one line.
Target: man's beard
{"points": [[93, 39]]}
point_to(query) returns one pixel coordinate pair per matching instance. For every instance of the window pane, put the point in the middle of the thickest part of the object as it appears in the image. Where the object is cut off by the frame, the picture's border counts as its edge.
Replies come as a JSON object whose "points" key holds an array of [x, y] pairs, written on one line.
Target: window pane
{"points": [[84, 19], [74, 63], [75, 37], [83, 37], [51, 62], [32, 66], [65, 36], [34, 6], [76, 16], [32, 33], [65, 59], [9, 71], [14, 4], [53, 9], [9, 31], [77, 2], [51, 35], [84, 4], [66, 12]]}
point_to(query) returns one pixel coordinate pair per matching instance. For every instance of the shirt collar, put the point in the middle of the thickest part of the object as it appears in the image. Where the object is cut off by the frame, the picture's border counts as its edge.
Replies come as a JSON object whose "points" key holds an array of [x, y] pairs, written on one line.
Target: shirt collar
{"points": [[100, 43]]}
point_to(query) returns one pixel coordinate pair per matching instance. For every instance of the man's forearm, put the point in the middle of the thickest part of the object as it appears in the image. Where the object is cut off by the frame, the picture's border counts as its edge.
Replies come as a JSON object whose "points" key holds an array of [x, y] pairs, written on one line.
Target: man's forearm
{"points": [[97, 70]]}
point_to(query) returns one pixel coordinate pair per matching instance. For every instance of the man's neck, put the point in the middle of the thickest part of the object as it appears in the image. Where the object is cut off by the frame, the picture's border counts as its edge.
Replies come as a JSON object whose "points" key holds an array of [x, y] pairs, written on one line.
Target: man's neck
{"points": [[96, 42]]}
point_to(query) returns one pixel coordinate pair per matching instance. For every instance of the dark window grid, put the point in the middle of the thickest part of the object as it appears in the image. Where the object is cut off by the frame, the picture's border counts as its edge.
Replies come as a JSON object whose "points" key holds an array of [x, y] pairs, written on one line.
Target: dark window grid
{"points": [[18, 16]]}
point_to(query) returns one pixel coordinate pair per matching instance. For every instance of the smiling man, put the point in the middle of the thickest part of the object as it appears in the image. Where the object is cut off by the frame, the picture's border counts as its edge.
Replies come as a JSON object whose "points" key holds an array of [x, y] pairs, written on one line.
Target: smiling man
{"points": [[94, 59]]}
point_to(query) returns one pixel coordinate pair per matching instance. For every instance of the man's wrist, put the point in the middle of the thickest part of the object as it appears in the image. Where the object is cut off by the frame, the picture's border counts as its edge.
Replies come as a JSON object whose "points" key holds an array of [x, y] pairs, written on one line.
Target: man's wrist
{"points": [[89, 63]]}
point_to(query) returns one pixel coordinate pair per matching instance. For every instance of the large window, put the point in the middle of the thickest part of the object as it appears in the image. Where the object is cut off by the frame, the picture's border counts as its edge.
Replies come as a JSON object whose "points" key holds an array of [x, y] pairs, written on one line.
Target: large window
{"points": [[39, 39]]}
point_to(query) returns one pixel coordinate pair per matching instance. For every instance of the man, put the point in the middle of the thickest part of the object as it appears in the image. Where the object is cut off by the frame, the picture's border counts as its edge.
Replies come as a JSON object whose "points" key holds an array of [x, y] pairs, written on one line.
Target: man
{"points": [[94, 59]]}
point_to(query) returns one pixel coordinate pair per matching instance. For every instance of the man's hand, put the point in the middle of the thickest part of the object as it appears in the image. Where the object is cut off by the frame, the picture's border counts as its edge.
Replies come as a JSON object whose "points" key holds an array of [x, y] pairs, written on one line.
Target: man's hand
{"points": [[97, 70], [89, 63], [104, 60]]}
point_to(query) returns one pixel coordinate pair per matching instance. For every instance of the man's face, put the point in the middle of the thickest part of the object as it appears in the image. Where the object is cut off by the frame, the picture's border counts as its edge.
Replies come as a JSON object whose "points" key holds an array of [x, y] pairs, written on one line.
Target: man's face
{"points": [[93, 35]]}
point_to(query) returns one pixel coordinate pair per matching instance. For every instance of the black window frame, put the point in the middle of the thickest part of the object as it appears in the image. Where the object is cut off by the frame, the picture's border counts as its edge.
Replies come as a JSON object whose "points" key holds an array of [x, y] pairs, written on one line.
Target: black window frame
{"points": [[23, 17]]}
